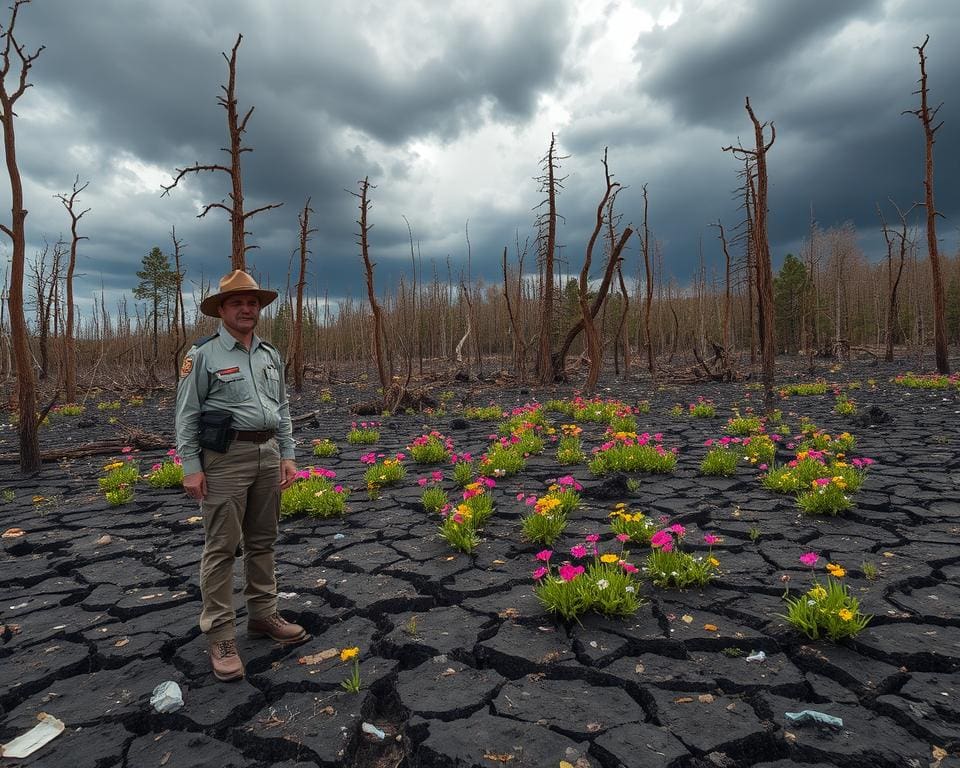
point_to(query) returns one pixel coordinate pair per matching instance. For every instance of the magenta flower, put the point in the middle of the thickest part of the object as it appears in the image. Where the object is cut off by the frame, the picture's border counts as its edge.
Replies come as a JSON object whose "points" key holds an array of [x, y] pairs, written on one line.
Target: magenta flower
{"points": [[544, 555], [678, 529], [578, 551], [711, 539], [570, 572], [623, 537], [593, 538], [809, 558], [762, 467], [126, 449], [540, 573], [628, 567], [661, 539], [338, 489], [421, 481]]}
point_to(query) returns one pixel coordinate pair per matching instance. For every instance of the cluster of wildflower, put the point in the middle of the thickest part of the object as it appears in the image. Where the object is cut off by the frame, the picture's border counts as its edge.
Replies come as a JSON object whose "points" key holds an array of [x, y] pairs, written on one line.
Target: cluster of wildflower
{"points": [[725, 453], [548, 517], [484, 413], [324, 447], [569, 449], [382, 470], [434, 497], [121, 476], [826, 609], [608, 583], [431, 448], [364, 433], [315, 494], [636, 526], [630, 452], [518, 438], [461, 524], [702, 408], [669, 566], [167, 473], [804, 389], [928, 380]]}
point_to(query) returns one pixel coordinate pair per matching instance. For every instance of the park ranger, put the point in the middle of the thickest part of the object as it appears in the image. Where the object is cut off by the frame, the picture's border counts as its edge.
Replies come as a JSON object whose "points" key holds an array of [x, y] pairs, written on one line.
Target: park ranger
{"points": [[235, 438]]}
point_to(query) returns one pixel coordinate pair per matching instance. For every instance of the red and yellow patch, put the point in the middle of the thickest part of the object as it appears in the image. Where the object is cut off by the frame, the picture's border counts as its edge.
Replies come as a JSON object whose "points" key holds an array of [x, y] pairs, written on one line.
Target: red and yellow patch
{"points": [[228, 371], [186, 367]]}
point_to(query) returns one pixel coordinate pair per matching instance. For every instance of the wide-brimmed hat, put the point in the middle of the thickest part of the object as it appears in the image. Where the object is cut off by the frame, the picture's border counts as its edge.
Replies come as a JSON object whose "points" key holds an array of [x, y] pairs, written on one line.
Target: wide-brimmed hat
{"points": [[237, 281]]}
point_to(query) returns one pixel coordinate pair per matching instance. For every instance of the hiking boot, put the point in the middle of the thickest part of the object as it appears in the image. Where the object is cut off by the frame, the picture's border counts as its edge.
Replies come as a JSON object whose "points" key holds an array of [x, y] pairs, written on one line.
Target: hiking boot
{"points": [[225, 660], [277, 629]]}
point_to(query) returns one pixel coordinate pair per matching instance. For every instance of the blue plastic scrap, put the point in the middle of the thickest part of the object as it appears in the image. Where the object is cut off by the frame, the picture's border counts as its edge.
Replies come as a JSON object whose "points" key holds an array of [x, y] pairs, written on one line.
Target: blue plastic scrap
{"points": [[811, 715]]}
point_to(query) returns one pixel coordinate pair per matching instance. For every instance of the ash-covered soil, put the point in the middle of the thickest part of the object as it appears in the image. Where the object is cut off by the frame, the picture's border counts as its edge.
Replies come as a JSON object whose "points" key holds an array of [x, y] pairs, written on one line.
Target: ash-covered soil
{"points": [[460, 666]]}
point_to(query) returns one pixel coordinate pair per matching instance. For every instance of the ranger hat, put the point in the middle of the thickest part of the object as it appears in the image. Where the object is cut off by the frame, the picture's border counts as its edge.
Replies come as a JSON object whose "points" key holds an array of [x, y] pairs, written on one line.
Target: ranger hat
{"points": [[237, 281]]}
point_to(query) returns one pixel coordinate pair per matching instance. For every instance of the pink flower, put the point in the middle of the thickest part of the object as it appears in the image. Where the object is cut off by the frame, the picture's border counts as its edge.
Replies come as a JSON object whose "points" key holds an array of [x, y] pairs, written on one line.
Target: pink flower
{"points": [[593, 538], [155, 467], [821, 481], [661, 539], [711, 539], [126, 449], [623, 537], [570, 572], [436, 476], [678, 529], [578, 551], [540, 573], [762, 467], [172, 452], [544, 555], [421, 481], [338, 489], [628, 567], [809, 558], [177, 460]]}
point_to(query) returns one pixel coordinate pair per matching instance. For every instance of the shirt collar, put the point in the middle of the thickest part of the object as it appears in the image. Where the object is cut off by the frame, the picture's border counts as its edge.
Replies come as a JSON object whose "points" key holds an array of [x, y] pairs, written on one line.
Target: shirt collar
{"points": [[228, 342]]}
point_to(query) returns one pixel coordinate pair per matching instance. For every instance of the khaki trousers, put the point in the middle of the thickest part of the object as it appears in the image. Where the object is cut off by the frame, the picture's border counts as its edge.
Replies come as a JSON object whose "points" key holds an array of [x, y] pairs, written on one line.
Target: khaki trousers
{"points": [[242, 504]]}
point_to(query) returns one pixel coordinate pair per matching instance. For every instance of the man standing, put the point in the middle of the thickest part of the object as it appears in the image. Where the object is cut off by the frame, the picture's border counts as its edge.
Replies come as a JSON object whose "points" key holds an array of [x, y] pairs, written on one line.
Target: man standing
{"points": [[232, 391]]}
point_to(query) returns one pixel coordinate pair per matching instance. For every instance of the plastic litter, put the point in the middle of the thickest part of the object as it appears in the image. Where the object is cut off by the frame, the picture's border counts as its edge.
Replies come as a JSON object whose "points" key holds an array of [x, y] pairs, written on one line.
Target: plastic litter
{"points": [[812, 715], [373, 731], [167, 697], [757, 657], [41, 734], [339, 536]]}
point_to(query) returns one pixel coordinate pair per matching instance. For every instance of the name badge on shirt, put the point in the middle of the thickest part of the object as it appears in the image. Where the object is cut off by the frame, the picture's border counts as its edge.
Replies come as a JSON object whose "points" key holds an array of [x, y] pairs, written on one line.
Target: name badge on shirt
{"points": [[228, 371]]}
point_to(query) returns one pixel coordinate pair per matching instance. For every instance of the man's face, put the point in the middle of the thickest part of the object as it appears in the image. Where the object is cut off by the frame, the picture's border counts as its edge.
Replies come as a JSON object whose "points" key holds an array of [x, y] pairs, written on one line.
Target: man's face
{"points": [[240, 312]]}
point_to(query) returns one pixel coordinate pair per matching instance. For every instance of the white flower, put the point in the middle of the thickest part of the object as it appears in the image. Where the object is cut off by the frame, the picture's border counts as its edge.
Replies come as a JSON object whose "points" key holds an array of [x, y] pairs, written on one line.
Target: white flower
{"points": [[603, 584], [629, 589]]}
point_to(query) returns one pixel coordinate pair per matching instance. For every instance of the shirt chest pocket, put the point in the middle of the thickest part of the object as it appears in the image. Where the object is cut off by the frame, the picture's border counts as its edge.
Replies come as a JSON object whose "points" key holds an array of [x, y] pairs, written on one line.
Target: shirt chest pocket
{"points": [[271, 387], [232, 387]]}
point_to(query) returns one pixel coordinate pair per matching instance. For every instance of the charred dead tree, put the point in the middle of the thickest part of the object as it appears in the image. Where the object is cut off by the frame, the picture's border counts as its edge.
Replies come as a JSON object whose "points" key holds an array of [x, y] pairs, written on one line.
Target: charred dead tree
{"points": [[648, 276], [295, 347], [179, 318], [15, 64], [895, 240], [70, 342], [547, 242], [380, 345], [588, 311], [927, 117], [45, 278], [757, 185], [516, 333], [236, 126]]}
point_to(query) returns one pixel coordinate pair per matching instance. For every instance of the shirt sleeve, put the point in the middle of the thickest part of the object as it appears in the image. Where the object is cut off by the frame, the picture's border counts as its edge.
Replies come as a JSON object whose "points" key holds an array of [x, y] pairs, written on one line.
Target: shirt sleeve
{"points": [[285, 439], [191, 392]]}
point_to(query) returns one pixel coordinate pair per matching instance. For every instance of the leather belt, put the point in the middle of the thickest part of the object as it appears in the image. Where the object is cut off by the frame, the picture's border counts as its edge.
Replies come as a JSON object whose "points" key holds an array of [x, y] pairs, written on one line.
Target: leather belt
{"points": [[254, 436]]}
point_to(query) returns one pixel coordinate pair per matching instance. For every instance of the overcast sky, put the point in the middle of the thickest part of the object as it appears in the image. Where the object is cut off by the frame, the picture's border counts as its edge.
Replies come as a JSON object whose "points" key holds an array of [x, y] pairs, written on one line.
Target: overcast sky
{"points": [[448, 107]]}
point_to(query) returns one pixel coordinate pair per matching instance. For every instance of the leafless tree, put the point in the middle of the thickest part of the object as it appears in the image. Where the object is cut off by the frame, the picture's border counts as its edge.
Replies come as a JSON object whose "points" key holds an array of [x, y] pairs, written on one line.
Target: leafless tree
{"points": [[236, 126], [295, 348], [547, 242], [70, 344]]}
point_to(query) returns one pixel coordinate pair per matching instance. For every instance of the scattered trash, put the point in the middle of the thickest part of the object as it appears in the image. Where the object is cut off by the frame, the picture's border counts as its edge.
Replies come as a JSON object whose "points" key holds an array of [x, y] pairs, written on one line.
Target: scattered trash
{"points": [[12, 533], [337, 536], [811, 715], [41, 734], [103, 540], [286, 595], [373, 730], [316, 658], [167, 697], [757, 656]]}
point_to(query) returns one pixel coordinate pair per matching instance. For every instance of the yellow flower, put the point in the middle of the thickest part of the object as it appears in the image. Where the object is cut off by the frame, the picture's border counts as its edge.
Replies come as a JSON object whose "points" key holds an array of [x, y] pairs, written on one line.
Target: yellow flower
{"points": [[817, 593], [839, 482], [609, 557], [836, 571], [349, 653], [845, 614], [713, 561], [112, 466]]}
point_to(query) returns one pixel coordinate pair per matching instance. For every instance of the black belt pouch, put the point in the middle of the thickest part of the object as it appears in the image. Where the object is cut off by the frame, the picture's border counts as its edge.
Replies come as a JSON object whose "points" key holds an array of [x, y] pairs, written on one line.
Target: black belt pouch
{"points": [[215, 432]]}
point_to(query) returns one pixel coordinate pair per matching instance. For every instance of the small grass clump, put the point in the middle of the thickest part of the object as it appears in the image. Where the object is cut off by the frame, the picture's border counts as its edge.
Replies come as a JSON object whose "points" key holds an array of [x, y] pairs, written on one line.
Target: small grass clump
{"points": [[670, 567], [804, 389], [927, 381], [548, 519], [844, 405], [382, 472], [630, 452], [502, 460], [364, 433], [315, 494], [569, 448], [431, 448], [434, 499], [826, 610], [108, 405], [744, 425], [464, 470], [702, 409], [68, 409], [117, 485], [483, 413], [460, 526], [720, 462], [168, 473], [324, 448], [637, 527]]}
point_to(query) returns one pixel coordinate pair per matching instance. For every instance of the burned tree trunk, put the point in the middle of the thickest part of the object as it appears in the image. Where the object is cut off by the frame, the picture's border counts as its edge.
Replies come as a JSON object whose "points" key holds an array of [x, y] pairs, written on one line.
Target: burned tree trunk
{"points": [[12, 58], [893, 282], [648, 304], [295, 348], [179, 320], [761, 247], [70, 343], [236, 126], [927, 117], [379, 350], [548, 244]]}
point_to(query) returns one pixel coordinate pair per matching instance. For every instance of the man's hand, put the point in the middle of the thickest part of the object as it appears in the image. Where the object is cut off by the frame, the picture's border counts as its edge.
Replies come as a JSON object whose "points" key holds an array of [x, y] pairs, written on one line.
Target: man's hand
{"points": [[195, 485], [288, 473]]}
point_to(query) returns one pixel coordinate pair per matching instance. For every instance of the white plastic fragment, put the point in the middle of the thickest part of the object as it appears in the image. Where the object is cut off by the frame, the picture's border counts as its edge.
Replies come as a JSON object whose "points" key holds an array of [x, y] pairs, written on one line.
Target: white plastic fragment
{"points": [[286, 595], [41, 734], [167, 697], [373, 730], [339, 536], [757, 656]]}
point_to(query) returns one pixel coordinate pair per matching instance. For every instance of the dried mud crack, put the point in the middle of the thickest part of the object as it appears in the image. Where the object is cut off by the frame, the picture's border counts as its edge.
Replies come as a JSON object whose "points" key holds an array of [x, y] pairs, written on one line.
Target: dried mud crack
{"points": [[460, 666]]}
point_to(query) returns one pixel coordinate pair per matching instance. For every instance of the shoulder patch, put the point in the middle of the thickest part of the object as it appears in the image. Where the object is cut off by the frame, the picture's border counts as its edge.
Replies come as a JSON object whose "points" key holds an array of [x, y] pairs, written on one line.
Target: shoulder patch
{"points": [[186, 367]]}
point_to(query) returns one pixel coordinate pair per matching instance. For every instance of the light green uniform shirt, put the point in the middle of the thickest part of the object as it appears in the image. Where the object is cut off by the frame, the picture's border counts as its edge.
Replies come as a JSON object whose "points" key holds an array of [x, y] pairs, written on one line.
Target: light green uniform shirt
{"points": [[221, 375]]}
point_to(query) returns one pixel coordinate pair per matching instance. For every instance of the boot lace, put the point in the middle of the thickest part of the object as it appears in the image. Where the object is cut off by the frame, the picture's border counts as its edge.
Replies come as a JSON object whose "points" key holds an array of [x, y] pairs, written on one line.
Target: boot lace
{"points": [[227, 648]]}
